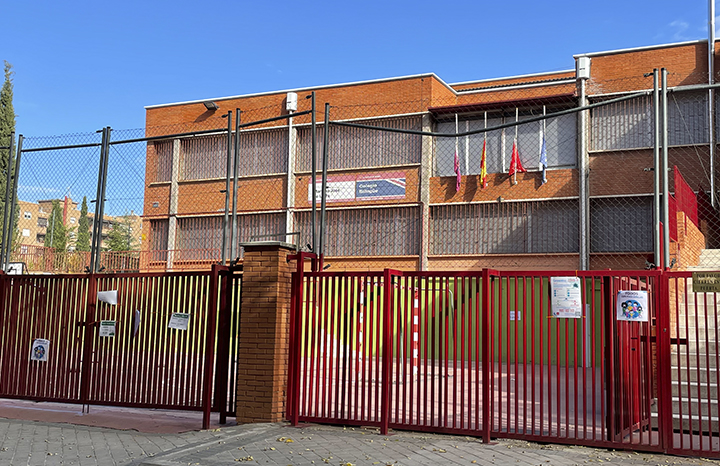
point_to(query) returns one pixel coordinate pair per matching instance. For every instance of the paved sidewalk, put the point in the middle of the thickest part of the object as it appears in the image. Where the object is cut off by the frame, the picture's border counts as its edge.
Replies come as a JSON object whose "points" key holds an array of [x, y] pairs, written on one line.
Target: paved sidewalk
{"points": [[42, 443]]}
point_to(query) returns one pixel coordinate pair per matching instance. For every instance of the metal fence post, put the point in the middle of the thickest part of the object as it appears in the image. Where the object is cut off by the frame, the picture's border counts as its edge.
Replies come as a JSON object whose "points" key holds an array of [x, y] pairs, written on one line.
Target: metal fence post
{"points": [[8, 180], [222, 358], [664, 175], [665, 413], [486, 362], [323, 201], [207, 392], [387, 347], [223, 253], [100, 201], [233, 236]]}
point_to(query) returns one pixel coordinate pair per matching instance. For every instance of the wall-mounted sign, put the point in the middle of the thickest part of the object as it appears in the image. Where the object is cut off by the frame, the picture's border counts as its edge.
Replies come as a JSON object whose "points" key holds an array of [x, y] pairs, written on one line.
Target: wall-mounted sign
{"points": [[40, 349], [706, 282], [632, 306], [363, 187], [179, 320], [566, 298], [107, 328]]}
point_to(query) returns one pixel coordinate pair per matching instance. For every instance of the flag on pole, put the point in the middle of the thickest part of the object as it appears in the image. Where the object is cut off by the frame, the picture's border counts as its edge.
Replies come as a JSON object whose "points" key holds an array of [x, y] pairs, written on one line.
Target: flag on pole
{"points": [[483, 165], [515, 163], [543, 161], [458, 178]]}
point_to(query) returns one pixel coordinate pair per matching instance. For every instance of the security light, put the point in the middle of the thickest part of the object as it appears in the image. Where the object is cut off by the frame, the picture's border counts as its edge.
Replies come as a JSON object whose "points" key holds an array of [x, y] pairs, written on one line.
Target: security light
{"points": [[210, 105]]}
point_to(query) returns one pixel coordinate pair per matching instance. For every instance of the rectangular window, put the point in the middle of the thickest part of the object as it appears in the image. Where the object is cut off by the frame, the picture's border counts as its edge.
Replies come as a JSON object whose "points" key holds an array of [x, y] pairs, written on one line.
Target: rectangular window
{"points": [[26, 232], [688, 118], [359, 148], [367, 232], [622, 125], [27, 215], [42, 222], [560, 144], [263, 152], [164, 151], [505, 228], [204, 157], [158, 240], [252, 227], [621, 224]]}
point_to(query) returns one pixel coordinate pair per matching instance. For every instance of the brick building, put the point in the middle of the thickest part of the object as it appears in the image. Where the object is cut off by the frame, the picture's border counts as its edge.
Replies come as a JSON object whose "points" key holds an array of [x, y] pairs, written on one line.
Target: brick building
{"points": [[393, 197]]}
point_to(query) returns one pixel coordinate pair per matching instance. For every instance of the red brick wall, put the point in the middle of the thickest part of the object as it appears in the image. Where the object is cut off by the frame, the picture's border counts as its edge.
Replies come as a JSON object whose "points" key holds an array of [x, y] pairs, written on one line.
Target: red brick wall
{"points": [[264, 335]]}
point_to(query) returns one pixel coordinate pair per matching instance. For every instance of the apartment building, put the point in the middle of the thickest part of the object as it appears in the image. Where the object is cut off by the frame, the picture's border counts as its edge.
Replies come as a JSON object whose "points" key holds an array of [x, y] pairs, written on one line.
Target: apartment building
{"points": [[581, 197], [35, 222]]}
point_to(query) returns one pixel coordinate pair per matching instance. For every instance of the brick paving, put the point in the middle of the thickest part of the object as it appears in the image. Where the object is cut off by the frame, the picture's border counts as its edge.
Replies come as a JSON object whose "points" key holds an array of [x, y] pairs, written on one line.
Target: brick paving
{"points": [[33, 443]]}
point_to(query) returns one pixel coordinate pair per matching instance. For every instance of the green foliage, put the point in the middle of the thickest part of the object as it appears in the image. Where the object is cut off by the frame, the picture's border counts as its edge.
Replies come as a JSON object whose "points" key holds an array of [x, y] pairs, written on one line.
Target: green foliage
{"points": [[120, 237], [56, 236], [7, 127], [83, 229]]}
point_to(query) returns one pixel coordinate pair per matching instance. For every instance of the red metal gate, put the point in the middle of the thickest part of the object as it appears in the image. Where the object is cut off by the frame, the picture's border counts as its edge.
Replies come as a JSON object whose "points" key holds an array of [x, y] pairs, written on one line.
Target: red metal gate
{"points": [[480, 353], [145, 364]]}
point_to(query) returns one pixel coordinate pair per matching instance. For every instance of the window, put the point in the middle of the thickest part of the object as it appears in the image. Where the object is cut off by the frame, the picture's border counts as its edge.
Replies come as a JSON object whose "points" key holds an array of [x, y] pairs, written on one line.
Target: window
{"points": [[40, 238], [505, 228], [631, 124], [159, 239], [72, 220], [263, 152], [358, 148], [560, 143], [26, 232], [204, 157], [621, 224], [42, 222], [27, 215], [367, 232], [164, 151]]}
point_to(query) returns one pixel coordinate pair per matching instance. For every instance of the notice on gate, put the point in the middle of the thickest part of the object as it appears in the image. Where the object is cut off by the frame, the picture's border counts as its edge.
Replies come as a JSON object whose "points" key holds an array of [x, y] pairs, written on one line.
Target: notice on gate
{"points": [[632, 306], [179, 320], [40, 350], [107, 328], [566, 297]]}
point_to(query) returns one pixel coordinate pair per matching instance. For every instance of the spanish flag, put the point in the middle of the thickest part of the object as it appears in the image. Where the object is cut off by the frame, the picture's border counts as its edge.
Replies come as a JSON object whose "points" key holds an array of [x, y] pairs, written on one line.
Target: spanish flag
{"points": [[515, 163], [483, 166]]}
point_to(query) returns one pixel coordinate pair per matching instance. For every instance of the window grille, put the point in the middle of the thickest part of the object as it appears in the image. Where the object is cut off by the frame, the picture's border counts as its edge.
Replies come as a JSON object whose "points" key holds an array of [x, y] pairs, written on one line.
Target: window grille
{"points": [[367, 232], [505, 228], [164, 152], [359, 148]]}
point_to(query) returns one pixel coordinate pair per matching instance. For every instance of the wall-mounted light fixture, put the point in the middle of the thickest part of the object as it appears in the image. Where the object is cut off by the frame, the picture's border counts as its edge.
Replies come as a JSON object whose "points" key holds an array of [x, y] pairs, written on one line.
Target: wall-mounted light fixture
{"points": [[210, 105]]}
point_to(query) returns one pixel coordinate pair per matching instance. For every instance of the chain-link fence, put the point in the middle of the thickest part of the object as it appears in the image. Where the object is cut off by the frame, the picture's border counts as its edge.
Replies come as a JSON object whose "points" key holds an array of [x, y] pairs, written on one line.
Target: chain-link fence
{"points": [[518, 179]]}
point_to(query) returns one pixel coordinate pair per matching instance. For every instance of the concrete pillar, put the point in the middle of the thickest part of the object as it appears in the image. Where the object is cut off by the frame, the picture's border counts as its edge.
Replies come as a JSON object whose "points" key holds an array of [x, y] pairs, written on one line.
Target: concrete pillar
{"points": [[262, 370], [172, 220]]}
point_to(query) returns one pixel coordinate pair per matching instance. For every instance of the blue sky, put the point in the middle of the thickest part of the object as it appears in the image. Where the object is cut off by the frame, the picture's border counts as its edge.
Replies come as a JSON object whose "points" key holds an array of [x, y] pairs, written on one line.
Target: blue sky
{"points": [[82, 65]]}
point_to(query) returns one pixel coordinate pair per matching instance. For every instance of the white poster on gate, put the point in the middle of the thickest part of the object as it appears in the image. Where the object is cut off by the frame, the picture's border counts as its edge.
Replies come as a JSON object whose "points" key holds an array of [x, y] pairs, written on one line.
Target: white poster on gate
{"points": [[566, 297], [632, 306], [179, 320], [40, 349]]}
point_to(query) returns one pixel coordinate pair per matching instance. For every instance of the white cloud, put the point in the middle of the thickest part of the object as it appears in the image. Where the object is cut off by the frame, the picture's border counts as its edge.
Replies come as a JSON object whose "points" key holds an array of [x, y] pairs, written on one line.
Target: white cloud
{"points": [[679, 27]]}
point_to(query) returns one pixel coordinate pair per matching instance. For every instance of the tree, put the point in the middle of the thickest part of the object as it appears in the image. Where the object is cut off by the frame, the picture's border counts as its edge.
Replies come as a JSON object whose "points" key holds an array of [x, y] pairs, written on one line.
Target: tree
{"points": [[7, 127], [56, 236], [120, 237], [83, 229]]}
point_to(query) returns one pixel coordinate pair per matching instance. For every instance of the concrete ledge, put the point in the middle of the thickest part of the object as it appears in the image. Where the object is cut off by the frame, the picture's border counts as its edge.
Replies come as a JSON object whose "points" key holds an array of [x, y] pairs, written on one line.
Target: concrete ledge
{"points": [[265, 244]]}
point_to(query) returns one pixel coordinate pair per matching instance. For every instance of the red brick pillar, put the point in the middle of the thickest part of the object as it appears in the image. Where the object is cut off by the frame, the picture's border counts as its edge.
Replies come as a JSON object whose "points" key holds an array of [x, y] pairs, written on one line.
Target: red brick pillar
{"points": [[264, 332]]}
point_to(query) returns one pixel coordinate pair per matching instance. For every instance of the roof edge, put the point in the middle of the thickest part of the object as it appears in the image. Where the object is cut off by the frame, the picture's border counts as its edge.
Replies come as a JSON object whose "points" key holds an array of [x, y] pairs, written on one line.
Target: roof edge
{"points": [[639, 49], [305, 89], [505, 78]]}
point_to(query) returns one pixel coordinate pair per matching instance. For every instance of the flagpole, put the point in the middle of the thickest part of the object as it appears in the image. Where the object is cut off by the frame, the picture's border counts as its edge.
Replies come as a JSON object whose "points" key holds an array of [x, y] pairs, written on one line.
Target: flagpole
{"points": [[517, 114]]}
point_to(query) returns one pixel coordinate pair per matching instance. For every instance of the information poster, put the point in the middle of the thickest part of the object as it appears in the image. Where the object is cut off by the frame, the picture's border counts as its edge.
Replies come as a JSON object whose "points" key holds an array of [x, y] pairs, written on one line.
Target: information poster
{"points": [[632, 306], [107, 328], [40, 350], [179, 320], [566, 299]]}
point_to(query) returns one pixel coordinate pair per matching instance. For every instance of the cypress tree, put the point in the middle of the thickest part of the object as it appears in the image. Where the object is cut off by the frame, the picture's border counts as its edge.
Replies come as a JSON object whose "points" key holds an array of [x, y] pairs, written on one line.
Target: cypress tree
{"points": [[7, 126], [83, 234]]}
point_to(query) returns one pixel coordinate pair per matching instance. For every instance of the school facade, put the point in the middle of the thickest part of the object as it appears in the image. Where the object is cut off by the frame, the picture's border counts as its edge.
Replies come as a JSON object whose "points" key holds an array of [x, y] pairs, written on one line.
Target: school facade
{"points": [[394, 198]]}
